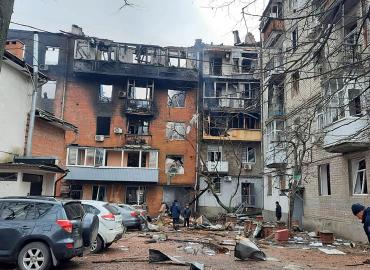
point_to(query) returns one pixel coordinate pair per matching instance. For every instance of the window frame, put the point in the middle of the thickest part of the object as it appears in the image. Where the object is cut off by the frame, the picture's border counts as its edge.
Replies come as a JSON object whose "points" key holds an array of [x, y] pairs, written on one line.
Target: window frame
{"points": [[217, 190], [246, 150], [355, 175], [179, 93], [327, 179], [109, 127]]}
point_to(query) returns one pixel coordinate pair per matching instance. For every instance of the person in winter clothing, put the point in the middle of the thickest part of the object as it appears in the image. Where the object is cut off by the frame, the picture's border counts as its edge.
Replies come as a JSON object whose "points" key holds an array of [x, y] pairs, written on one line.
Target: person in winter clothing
{"points": [[363, 214], [186, 214], [175, 212], [278, 211]]}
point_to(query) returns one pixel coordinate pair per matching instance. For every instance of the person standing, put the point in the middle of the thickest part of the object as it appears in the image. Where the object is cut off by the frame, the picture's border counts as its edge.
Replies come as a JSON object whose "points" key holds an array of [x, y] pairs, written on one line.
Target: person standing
{"points": [[362, 214], [175, 213], [278, 211], [187, 214], [162, 211]]}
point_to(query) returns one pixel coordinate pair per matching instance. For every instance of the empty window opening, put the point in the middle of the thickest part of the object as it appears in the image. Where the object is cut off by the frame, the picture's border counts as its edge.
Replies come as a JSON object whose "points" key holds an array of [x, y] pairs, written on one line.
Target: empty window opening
{"points": [[216, 181], [105, 93], [355, 107], [48, 90], [359, 176], [51, 56], [139, 127], [133, 159], [176, 98], [249, 155], [103, 125], [324, 179], [216, 66], [8, 176], [135, 195], [295, 39], [295, 83], [214, 153], [175, 131], [98, 193], [236, 65], [174, 164], [113, 158]]}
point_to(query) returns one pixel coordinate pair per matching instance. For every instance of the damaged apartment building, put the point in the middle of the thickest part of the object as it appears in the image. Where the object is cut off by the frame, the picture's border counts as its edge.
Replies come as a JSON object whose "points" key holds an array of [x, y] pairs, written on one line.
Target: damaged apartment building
{"points": [[132, 104], [230, 127], [315, 105]]}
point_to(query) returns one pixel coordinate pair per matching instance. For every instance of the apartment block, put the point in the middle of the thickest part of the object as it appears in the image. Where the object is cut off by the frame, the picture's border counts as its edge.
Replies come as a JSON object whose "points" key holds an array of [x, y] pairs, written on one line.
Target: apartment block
{"points": [[321, 141]]}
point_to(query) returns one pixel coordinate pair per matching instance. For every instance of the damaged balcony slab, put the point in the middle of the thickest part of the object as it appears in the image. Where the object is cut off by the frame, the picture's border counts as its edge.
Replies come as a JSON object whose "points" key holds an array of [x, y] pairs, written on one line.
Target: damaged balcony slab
{"points": [[127, 174], [116, 68]]}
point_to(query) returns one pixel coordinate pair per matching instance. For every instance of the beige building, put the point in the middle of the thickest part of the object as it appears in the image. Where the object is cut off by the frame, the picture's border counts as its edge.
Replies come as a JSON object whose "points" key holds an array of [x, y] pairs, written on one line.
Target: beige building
{"points": [[315, 113]]}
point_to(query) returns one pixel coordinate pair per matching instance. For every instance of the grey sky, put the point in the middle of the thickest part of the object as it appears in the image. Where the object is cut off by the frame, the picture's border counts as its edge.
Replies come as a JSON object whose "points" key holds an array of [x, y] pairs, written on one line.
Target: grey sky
{"points": [[162, 22]]}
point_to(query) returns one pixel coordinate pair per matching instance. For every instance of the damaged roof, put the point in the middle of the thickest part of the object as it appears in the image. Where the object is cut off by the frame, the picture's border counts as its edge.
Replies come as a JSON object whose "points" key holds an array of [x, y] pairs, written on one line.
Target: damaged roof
{"points": [[32, 167], [55, 121]]}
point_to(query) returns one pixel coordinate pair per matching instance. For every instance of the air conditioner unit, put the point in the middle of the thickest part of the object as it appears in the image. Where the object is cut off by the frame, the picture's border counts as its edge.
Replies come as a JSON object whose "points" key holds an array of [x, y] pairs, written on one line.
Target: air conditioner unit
{"points": [[43, 67], [117, 130], [228, 178], [247, 166], [121, 94], [99, 138]]}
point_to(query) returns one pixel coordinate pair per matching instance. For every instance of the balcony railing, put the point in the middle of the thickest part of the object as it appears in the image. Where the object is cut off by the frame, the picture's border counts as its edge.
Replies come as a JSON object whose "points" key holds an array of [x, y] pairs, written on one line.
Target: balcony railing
{"points": [[217, 167], [139, 106], [138, 139], [220, 103], [275, 157]]}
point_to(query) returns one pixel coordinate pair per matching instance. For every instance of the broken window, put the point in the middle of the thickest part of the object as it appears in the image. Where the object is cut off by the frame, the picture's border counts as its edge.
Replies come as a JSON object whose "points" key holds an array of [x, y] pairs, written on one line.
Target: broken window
{"points": [[51, 56], [135, 195], [269, 185], [324, 179], [354, 96], [216, 66], [214, 153], [236, 65], [139, 127], [249, 155], [72, 156], [99, 193], [295, 39], [295, 84], [253, 121], [90, 157], [175, 131], [8, 176], [359, 176], [81, 156], [216, 181], [250, 90], [133, 159], [103, 125], [174, 164], [140, 95], [48, 90], [176, 98], [105, 93]]}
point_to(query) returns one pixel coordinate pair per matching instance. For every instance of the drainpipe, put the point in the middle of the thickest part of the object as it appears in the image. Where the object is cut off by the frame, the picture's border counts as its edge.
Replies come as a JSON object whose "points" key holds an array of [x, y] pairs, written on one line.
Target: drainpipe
{"points": [[58, 180], [65, 78], [263, 122], [34, 94]]}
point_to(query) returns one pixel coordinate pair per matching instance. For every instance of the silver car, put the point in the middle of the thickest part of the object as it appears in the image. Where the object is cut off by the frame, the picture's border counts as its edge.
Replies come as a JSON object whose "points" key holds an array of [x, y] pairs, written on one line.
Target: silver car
{"points": [[131, 217]]}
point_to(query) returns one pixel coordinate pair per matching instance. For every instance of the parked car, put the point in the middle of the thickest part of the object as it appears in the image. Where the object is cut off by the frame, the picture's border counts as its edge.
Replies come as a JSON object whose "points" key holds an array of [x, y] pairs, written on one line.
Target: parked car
{"points": [[38, 232], [131, 217], [110, 224]]}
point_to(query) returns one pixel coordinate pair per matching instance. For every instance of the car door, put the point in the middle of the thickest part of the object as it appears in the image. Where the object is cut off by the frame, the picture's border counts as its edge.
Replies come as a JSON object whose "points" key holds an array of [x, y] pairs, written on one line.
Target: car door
{"points": [[17, 220]]}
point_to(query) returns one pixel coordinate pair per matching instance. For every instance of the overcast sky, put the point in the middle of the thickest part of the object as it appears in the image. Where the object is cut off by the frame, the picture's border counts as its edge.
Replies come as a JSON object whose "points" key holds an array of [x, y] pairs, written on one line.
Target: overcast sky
{"points": [[162, 22]]}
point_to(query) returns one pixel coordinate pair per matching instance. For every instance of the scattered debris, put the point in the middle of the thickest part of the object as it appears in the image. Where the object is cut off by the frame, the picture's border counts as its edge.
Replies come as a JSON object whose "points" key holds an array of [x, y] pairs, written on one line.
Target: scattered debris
{"points": [[156, 256], [153, 227], [246, 249], [159, 237], [316, 244], [196, 266], [326, 237], [332, 251]]}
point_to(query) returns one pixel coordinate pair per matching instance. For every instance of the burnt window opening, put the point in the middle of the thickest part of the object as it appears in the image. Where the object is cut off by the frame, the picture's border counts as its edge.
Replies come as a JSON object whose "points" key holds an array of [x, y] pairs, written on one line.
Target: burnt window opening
{"points": [[216, 66], [52, 56], [175, 130], [295, 84], [133, 159], [355, 107], [216, 184], [174, 164], [236, 65], [176, 98], [139, 127], [103, 125], [140, 91], [105, 93], [48, 90]]}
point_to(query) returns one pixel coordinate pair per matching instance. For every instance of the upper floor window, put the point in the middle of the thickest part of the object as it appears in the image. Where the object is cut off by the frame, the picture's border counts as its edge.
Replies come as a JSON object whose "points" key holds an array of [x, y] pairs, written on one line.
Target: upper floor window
{"points": [[295, 83], [85, 156], [359, 178], [103, 125], [176, 98], [214, 153], [295, 39], [215, 66], [175, 131], [139, 127], [51, 56], [48, 90], [105, 93], [324, 179], [174, 164], [140, 90], [249, 154]]}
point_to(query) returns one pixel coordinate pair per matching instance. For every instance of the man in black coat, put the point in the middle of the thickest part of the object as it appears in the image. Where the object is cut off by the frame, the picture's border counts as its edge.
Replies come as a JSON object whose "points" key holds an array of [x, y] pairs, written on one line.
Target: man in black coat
{"points": [[278, 211], [364, 215], [186, 214]]}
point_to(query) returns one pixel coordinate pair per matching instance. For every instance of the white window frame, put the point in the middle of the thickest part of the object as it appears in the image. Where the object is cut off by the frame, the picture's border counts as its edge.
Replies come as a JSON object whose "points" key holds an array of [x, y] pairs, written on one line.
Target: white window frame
{"points": [[324, 179], [85, 158], [55, 61], [246, 150], [355, 174], [214, 149]]}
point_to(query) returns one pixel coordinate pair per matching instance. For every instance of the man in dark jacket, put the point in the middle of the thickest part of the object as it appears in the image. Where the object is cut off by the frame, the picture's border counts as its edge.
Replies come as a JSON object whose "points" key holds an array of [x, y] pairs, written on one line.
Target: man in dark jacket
{"points": [[364, 215], [278, 211], [175, 213], [186, 214]]}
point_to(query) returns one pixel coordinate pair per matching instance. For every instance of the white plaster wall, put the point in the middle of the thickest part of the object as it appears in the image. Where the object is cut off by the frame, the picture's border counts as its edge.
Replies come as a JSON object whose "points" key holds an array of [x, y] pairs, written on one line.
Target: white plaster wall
{"points": [[269, 201], [48, 185], [14, 188], [227, 189], [15, 103]]}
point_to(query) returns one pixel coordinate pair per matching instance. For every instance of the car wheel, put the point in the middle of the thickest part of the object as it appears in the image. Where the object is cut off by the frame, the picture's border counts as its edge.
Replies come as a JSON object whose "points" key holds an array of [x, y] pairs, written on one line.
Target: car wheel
{"points": [[35, 256], [96, 245]]}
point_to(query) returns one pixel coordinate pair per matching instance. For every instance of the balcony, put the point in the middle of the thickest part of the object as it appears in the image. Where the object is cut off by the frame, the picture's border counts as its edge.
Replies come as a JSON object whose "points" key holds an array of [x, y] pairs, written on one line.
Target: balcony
{"points": [[276, 113], [139, 106], [142, 175], [272, 26], [138, 139], [229, 104], [217, 167], [275, 157], [348, 134], [274, 67], [247, 135], [134, 70]]}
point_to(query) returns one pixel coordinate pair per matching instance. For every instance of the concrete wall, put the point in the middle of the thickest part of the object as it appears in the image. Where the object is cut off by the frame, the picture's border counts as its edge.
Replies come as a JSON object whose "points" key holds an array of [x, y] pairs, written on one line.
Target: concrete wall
{"points": [[15, 96]]}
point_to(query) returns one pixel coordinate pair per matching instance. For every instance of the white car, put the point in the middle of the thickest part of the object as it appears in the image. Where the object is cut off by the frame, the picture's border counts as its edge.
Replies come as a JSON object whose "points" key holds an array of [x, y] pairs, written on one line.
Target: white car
{"points": [[110, 223]]}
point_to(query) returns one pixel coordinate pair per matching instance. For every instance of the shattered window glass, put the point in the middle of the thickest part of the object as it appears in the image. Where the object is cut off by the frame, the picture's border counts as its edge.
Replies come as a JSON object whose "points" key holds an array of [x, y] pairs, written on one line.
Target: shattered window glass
{"points": [[176, 98]]}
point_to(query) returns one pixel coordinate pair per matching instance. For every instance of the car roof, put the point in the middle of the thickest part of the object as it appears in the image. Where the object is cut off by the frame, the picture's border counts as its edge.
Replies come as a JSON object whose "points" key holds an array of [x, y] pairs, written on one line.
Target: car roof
{"points": [[92, 202], [31, 198]]}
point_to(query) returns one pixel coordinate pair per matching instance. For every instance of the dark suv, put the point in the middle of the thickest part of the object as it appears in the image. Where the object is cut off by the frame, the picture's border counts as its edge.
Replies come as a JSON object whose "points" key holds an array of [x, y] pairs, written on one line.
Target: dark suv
{"points": [[37, 232]]}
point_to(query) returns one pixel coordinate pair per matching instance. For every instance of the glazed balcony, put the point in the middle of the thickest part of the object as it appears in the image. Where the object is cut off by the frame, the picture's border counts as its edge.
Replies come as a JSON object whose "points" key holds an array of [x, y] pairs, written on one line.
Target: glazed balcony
{"points": [[275, 157], [217, 167]]}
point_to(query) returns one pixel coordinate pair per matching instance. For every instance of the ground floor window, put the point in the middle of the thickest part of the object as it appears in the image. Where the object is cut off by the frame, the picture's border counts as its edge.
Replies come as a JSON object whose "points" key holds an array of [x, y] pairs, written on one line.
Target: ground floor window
{"points": [[324, 179], [99, 193], [269, 185], [216, 184], [135, 195], [359, 176], [76, 192]]}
